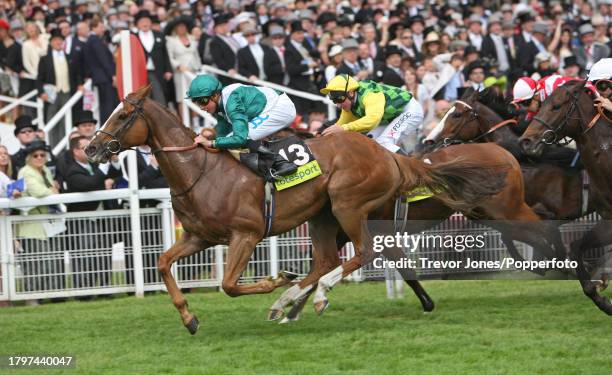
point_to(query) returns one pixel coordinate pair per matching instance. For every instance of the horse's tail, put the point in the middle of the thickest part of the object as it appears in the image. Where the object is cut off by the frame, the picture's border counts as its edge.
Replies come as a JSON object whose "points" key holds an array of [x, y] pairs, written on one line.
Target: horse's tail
{"points": [[461, 184]]}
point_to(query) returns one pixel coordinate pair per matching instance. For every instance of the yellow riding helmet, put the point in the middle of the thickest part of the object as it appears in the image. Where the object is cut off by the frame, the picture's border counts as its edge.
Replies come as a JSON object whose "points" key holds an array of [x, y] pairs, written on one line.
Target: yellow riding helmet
{"points": [[341, 83]]}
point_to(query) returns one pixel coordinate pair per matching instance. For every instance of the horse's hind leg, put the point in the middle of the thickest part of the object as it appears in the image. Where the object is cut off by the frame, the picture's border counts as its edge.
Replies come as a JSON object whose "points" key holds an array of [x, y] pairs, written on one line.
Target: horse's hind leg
{"points": [[410, 277], [323, 230], [600, 235], [186, 245]]}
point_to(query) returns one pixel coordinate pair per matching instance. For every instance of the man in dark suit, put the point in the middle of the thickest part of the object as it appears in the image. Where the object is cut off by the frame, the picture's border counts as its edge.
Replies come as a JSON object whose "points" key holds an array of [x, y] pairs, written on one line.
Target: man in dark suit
{"points": [[149, 174], [159, 70], [391, 73], [274, 61], [82, 176], [101, 68], [590, 51], [494, 46], [526, 49], [301, 67], [251, 57], [223, 48], [350, 61]]}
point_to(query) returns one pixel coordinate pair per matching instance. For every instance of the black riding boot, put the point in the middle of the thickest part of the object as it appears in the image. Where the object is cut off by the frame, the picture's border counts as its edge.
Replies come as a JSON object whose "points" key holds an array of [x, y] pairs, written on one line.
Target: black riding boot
{"points": [[280, 166]]}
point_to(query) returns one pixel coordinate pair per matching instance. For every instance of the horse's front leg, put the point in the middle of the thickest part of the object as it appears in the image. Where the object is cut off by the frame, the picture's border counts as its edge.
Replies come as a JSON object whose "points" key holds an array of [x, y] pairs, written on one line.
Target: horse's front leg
{"points": [[239, 253], [186, 245]]}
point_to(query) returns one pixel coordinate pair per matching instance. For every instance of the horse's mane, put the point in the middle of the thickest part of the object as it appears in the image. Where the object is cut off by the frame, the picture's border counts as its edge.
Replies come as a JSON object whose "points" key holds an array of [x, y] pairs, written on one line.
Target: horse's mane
{"points": [[495, 101], [175, 117]]}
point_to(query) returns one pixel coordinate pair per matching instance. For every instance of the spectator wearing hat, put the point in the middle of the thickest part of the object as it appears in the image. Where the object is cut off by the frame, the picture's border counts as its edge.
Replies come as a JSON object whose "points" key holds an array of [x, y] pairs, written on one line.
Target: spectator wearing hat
{"points": [[252, 58], [417, 27], [57, 78], [25, 132], [432, 45], [526, 49], [182, 52], [475, 75], [590, 51], [335, 60], [600, 26], [274, 63], [350, 63], [159, 69], [571, 67], [450, 79], [310, 38], [543, 66], [32, 235], [17, 30], [101, 68], [370, 38], [494, 45], [301, 67], [475, 31], [391, 73], [224, 48], [80, 11]]}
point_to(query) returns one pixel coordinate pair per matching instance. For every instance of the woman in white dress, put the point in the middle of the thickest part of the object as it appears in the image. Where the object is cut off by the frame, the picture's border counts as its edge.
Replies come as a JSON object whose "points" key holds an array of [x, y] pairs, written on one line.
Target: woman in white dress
{"points": [[183, 52]]}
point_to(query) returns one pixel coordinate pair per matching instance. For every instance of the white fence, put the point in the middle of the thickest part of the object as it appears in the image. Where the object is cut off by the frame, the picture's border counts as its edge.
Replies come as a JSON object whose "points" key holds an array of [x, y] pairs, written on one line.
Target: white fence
{"points": [[94, 254]]}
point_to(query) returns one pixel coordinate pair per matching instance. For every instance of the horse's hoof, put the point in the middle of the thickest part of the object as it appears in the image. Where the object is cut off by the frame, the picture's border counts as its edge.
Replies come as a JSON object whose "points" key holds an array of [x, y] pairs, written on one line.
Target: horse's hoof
{"points": [[274, 314], [321, 306], [428, 307], [193, 325], [288, 275], [289, 320], [602, 284]]}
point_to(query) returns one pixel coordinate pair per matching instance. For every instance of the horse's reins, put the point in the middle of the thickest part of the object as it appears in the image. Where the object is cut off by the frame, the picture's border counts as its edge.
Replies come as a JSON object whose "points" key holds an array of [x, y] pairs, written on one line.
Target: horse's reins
{"points": [[127, 124], [573, 106]]}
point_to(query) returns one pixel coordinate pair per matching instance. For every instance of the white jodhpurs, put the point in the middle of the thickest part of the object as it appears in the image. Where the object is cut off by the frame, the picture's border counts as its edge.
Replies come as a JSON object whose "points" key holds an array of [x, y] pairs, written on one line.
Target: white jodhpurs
{"points": [[277, 115], [408, 122]]}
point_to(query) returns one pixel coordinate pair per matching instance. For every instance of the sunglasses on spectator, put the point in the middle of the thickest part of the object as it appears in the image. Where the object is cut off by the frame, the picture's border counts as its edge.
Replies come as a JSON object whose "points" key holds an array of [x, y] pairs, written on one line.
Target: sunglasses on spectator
{"points": [[25, 131], [603, 85], [39, 155], [202, 100]]}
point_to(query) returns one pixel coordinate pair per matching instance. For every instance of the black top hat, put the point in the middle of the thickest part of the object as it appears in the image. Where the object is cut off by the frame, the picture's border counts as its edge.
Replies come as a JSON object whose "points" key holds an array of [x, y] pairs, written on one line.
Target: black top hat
{"points": [[525, 17], [470, 49], [570, 60], [326, 17], [22, 122], [36, 145], [221, 18], [84, 117], [56, 33], [296, 26], [142, 14], [59, 12], [474, 65], [415, 19], [392, 50]]}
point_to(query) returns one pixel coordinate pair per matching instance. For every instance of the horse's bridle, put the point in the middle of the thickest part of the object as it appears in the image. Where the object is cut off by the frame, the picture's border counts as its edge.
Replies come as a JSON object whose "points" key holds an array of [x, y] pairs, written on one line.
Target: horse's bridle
{"points": [[451, 140], [551, 135], [114, 145]]}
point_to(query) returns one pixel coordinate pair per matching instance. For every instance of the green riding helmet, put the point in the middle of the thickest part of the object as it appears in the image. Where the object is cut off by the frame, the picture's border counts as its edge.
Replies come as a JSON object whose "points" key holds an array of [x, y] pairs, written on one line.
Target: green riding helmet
{"points": [[203, 85]]}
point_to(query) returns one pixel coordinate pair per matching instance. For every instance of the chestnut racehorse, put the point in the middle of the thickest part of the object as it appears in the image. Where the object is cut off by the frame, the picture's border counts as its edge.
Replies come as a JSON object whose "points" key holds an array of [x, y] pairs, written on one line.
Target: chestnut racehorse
{"points": [[219, 201], [570, 112]]}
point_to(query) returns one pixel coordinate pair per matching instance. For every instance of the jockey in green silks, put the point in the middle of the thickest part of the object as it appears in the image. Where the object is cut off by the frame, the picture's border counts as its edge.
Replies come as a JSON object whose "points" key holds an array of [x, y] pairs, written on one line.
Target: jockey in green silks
{"points": [[244, 114]]}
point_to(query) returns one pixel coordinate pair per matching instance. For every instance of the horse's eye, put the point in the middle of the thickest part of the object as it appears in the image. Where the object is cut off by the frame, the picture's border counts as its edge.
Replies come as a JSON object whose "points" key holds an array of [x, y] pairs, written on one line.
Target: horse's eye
{"points": [[556, 107], [456, 115], [122, 115]]}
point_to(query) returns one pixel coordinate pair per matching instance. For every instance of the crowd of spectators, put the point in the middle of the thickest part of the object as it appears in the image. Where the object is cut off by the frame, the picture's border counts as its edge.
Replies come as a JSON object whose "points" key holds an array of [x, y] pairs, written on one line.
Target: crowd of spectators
{"points": [[435, 49]]}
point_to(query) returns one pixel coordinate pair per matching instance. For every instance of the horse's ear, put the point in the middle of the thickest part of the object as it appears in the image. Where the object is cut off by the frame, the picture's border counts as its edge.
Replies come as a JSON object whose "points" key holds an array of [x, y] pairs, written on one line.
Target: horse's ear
{"points": [[136, 96]]}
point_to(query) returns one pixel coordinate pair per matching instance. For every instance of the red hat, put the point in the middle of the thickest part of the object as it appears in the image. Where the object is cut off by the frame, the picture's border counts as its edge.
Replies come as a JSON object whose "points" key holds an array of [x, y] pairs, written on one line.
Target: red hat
{"points": [[4, 25]]}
